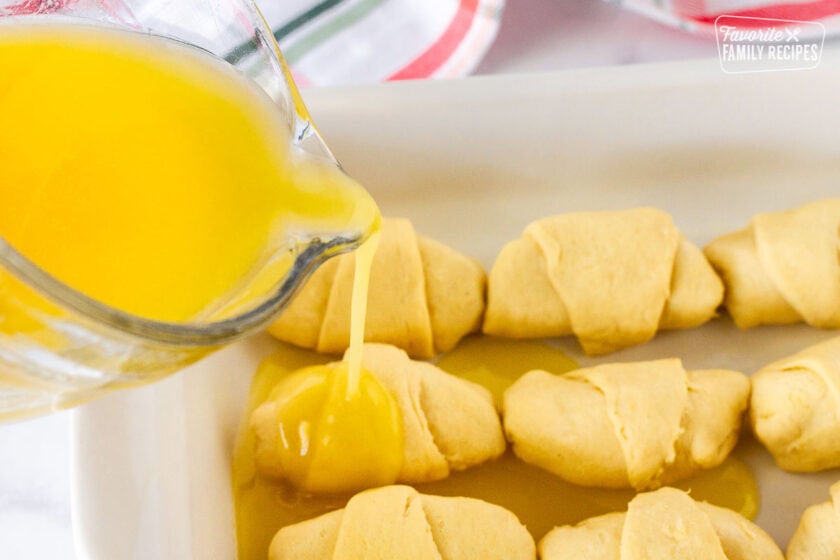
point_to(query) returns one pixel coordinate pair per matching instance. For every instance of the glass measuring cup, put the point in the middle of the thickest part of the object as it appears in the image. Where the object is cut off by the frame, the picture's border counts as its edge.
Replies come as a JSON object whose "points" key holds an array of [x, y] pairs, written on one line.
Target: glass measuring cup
{"points": [[59, 347]]}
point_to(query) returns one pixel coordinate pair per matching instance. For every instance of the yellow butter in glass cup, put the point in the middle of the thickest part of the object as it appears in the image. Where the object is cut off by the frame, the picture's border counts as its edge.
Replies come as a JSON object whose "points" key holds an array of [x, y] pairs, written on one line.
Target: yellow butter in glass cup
{"points": [[163, 191]]}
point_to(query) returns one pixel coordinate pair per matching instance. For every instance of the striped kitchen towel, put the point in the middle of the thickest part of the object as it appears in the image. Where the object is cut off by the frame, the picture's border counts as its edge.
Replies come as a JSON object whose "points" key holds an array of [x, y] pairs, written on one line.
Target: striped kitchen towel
{"points": [[325, 42], [328, 42], [699, 15]]}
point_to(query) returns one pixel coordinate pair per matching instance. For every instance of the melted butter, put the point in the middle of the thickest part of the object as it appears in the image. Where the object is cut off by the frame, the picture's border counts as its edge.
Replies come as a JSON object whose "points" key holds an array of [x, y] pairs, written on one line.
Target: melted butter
{"points": [[152, 177], [263, 505], [354, 441], [730, 485], [358, 310], [331, 438], [338, 431], [497, 362], [539, 499], [543, 501]]}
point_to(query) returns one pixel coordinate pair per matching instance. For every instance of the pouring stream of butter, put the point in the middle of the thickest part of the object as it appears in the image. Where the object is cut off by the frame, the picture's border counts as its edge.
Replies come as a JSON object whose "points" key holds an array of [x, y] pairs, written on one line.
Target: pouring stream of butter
{"points": [[358, 311], [334, 427], [164, 183]]}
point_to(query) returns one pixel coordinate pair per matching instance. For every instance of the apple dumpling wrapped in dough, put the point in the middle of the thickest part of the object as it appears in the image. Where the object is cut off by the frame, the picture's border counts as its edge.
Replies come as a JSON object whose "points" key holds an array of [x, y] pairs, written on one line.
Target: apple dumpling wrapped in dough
{"points": [[795, 408], [610, 278], [662, 525], [447, 424], [423, 297], [398, 523], [818, 535], [783, 267], [642, 424]]}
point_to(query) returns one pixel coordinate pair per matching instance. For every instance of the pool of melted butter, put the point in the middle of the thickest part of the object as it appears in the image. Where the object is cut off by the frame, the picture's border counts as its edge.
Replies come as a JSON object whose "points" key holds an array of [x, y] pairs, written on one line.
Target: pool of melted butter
{"points": [[539, 499]]}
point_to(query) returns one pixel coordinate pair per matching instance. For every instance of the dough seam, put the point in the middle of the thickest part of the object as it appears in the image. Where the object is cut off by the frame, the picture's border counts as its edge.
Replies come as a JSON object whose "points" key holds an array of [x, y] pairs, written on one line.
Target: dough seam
{"points": [[429, 525], [669, 459], [428, 426]]}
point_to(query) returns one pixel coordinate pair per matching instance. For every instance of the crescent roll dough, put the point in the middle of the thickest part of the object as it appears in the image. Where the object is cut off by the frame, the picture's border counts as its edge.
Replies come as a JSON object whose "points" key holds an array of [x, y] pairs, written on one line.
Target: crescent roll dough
{"points": [[818, 535], [398, 523], [449, 423], [783, 268], [662, 525], [640, 424], [795, 408], [423, 297], [610, 278]]}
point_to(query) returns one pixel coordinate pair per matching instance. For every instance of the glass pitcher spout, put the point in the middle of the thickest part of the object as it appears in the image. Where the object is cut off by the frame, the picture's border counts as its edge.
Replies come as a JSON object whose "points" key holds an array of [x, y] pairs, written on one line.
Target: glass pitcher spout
{"points": [[69, 331]]}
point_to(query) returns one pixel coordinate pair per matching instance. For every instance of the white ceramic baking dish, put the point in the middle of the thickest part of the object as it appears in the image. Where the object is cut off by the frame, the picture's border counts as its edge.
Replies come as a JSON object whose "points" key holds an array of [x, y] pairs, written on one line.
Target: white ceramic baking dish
{"points": [[471, 162]]}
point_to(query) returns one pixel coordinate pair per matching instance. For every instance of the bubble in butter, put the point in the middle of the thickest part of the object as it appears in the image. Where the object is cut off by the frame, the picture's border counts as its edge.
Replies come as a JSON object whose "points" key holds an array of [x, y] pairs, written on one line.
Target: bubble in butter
{"points": [[325, 438]]}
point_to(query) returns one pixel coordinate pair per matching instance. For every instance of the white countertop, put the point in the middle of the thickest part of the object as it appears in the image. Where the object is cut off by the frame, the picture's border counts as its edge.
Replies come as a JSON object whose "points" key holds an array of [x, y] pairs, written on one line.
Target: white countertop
{"points": [[35, 489], [535, 36]]}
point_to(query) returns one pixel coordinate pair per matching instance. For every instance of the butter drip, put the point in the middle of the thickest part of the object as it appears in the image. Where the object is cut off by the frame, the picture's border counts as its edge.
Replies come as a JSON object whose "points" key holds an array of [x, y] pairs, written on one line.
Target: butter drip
{"points": [[331, 438], [332, 428]]}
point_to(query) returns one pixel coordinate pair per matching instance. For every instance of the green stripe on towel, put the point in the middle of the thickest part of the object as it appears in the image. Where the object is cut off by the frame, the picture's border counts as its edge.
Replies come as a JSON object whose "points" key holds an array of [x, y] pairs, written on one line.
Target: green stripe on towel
{"points": [[299, 48], [305, 17], [241, 51]]}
